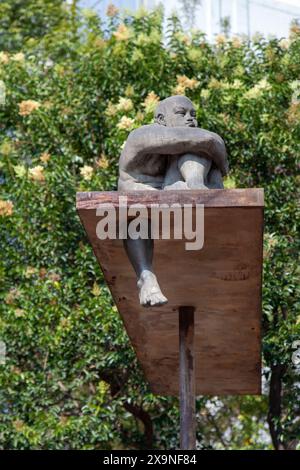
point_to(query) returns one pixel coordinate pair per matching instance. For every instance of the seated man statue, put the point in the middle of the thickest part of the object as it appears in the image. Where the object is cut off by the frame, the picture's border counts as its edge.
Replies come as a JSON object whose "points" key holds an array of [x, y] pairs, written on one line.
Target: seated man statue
{"points": [[172, 153]]}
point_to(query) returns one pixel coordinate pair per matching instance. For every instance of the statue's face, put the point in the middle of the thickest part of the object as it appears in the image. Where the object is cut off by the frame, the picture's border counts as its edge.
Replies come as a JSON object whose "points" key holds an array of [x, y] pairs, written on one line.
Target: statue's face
{"points": [[180, 112]]}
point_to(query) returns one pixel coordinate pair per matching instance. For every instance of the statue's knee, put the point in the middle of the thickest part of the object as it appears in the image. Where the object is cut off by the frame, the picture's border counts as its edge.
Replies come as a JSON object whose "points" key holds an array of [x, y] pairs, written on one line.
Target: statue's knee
{"points": [[186, 157]]}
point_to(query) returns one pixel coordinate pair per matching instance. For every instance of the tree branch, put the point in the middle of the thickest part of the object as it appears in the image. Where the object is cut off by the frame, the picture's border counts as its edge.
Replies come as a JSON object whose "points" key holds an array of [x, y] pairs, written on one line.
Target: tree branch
{"points": [[274, 414]]}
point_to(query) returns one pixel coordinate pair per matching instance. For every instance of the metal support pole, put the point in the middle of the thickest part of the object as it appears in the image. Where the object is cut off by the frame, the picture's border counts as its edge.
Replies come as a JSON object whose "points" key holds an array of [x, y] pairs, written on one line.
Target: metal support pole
{"points": [[187, 379]]}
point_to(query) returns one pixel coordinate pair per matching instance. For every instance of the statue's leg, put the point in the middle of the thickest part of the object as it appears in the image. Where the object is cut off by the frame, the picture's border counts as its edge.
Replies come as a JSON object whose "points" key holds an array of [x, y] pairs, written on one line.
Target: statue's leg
{"points": [[194, 170], [215, 180], [140, 254], [173, 178]]}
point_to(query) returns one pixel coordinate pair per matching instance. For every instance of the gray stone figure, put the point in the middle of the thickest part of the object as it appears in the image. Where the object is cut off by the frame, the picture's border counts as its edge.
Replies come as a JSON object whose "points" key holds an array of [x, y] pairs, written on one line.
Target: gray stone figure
{"points": [[172, 153]]}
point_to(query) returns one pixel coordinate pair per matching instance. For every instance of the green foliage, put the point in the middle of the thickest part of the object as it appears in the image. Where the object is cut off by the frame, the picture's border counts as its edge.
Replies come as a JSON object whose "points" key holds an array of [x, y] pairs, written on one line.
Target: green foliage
{"points": [[73, 93], [23, 20]]}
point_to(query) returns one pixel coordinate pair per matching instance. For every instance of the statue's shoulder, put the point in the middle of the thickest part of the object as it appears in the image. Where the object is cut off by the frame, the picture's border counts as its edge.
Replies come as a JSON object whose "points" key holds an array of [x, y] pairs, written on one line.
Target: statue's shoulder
{"points": [[146, 129], [141, 136]]}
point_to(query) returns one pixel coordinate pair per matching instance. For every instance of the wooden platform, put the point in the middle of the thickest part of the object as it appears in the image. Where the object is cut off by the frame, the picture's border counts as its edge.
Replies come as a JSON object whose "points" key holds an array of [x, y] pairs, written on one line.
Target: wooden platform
{"points": [[222, 281]]}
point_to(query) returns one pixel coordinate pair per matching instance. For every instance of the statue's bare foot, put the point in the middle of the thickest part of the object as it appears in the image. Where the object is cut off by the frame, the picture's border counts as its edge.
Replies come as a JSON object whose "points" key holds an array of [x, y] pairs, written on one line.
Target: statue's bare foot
{"points": [[177, 185], [149, 290]]}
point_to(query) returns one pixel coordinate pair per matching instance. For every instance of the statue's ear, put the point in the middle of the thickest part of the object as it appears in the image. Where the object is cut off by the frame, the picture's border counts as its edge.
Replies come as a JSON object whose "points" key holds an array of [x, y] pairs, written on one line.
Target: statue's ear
{"points": [[160, 119]]}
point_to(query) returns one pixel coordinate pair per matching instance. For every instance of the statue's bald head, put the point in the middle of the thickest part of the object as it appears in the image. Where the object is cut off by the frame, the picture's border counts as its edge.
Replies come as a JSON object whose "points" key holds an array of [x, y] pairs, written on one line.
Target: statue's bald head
{"points": [[176, 111]]}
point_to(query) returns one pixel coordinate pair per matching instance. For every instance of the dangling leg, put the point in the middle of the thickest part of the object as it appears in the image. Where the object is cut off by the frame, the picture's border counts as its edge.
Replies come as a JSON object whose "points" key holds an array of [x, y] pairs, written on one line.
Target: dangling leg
{"points": [[140, 254]]}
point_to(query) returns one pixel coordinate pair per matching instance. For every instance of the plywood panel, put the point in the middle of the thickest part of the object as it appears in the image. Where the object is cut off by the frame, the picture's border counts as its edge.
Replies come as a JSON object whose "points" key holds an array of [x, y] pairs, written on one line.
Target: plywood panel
{"points": [[222, 281]]}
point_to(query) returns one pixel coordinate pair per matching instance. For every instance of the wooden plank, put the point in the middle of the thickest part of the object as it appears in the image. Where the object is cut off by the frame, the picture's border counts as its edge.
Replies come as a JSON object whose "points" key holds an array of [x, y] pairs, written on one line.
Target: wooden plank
{"points": [[187, 378], [209, 197], [222, 281]]}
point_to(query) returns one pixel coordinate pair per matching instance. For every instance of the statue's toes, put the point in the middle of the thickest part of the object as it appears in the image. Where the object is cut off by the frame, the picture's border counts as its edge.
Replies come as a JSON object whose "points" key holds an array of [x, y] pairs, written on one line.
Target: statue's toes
{"points": [[153, 299], [158, 299], [145, 299]]}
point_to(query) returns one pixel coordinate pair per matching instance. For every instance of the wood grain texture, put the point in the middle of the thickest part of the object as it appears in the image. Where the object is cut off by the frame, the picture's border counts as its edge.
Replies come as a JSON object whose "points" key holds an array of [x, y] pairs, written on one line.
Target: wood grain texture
{"points": [[209, 197], [222, 281]]}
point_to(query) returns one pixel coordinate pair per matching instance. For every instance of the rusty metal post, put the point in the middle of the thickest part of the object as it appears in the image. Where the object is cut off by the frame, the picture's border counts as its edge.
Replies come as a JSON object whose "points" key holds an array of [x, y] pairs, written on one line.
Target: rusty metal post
{"points": [[187, 379]]}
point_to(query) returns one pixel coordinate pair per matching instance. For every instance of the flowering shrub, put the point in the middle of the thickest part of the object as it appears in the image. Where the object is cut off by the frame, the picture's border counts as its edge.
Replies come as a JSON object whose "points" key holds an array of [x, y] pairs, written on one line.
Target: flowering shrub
{"points": [[72, 95]]}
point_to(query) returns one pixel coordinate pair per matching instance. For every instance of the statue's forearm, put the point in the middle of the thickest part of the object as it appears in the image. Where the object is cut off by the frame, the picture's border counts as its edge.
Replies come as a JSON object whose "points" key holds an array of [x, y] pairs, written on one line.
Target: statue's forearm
{"points": [[171, 140]]}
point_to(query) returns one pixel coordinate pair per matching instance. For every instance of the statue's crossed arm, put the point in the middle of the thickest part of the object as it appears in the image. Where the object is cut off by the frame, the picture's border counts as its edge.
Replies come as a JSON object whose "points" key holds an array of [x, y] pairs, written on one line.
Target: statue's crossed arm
{"points": [[163, 141]]}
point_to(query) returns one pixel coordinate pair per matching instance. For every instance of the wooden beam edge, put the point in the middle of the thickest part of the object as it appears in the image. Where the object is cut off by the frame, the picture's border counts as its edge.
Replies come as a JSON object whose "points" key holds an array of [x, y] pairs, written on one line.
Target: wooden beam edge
{"points": [[248, 197]]}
